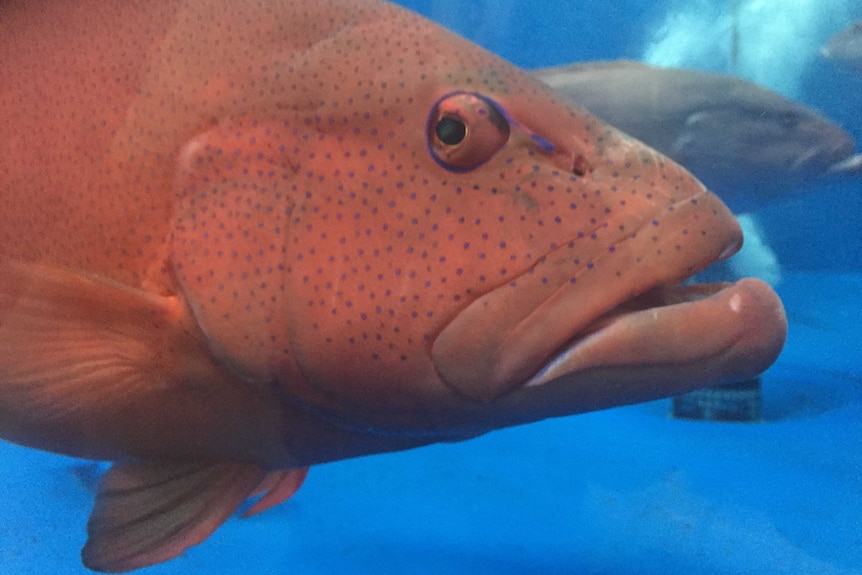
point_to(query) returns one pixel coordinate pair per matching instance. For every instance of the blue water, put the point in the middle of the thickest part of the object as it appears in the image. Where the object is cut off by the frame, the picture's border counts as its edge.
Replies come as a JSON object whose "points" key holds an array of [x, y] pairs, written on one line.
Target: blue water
{"points": [[625, 491]]}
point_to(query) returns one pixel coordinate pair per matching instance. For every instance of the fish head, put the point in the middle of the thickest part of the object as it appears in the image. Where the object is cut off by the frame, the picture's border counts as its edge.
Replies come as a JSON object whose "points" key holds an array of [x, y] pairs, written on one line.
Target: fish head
{"points": [[440, 233], [845, 46], [762, 139], [787, 141]]}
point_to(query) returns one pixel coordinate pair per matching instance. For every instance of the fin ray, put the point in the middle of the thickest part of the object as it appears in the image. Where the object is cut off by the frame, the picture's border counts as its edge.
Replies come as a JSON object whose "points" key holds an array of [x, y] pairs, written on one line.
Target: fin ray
{"points": [[88, 365], [149, 512], [279, 486]]}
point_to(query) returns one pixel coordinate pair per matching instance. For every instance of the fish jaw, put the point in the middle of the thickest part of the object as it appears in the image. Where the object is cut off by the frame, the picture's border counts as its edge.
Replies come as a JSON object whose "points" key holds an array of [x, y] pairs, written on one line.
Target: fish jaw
{"points": [[675, 243], [831, 149], [705, 335], [852, 166], [747, 329], [670, 340]]}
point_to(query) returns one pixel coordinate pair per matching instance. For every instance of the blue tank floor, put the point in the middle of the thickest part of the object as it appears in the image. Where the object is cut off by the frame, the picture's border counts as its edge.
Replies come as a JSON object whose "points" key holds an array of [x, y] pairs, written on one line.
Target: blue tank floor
{"points": [[624, 491]]}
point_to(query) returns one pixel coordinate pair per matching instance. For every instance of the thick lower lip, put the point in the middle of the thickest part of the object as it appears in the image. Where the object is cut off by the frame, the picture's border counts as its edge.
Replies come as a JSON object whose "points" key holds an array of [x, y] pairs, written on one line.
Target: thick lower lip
{"points": [[727, 331]]}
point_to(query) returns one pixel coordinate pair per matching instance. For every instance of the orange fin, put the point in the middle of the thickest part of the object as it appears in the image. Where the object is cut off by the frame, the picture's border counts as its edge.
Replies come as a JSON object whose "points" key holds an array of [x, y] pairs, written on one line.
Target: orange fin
{"points": [[150, 512], [279, 487], [87, 365]]}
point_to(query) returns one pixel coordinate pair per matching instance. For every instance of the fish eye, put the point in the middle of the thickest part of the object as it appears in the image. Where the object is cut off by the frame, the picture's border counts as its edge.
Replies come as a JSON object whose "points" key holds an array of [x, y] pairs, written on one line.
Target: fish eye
{"points": [[465, 130], [451, 130]]}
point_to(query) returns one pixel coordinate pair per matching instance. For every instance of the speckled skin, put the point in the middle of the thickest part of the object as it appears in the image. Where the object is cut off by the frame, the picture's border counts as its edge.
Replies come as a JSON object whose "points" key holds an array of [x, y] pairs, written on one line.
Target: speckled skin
{"points": [[238, 238], [271, 164]]}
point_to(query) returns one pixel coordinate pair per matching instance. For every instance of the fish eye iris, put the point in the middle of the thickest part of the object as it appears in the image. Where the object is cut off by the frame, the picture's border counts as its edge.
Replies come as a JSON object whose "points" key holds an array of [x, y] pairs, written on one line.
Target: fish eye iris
{"points": [[465, 130], [451, 130]]}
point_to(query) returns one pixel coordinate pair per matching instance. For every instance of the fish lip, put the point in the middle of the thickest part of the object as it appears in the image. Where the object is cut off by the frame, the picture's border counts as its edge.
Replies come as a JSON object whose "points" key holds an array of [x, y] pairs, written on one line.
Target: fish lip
{"points": [[526, 321], [746, 334], [809, 158], [653, 299], [835, 158], [851, 165]]}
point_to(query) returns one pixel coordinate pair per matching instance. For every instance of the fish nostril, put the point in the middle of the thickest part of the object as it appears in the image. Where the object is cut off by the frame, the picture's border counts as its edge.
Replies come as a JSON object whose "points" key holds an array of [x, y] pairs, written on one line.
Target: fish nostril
{"points": [[580, 166]]}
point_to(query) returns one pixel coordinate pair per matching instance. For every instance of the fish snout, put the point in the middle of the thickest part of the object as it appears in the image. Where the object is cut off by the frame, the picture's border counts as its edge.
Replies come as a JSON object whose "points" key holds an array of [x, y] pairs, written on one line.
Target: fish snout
{"points": [[851, 166], [652, 224], [830, 148]]}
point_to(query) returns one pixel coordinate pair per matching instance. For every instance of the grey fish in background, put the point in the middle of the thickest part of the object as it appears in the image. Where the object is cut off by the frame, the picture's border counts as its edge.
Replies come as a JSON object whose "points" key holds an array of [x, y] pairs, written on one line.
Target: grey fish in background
{"points": [[845, 47], [733, 134]]}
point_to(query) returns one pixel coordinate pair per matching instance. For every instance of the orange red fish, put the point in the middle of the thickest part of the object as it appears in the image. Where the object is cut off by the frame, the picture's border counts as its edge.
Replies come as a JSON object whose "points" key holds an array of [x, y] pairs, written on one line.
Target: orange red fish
{"points": [[238, 239]]}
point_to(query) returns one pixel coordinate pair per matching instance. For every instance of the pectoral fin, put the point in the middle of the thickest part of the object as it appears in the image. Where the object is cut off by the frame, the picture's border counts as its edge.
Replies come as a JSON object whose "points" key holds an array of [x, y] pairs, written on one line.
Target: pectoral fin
{"points": [[93, 368]]}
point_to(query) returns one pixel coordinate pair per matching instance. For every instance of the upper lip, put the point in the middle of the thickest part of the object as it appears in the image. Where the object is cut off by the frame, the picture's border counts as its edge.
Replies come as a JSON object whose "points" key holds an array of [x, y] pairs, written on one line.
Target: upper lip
{"points": [[660, 296]]}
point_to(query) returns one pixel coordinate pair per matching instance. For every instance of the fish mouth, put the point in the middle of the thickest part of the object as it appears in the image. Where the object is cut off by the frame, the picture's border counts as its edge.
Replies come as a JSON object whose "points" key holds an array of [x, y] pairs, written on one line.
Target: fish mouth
{"points": [[607, 317], [850, 166], [690, 334], [669, 340], [835, 155]]}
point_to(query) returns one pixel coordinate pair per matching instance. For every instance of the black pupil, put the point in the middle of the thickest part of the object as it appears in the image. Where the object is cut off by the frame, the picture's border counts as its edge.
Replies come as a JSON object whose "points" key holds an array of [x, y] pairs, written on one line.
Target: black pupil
{"points": [[451, 131]]}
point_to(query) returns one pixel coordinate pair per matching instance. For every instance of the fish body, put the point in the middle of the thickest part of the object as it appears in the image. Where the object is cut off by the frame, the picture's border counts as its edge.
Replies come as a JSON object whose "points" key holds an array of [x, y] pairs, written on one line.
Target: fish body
{"points": [[845, 47], [746, 142], [241, 238]]}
